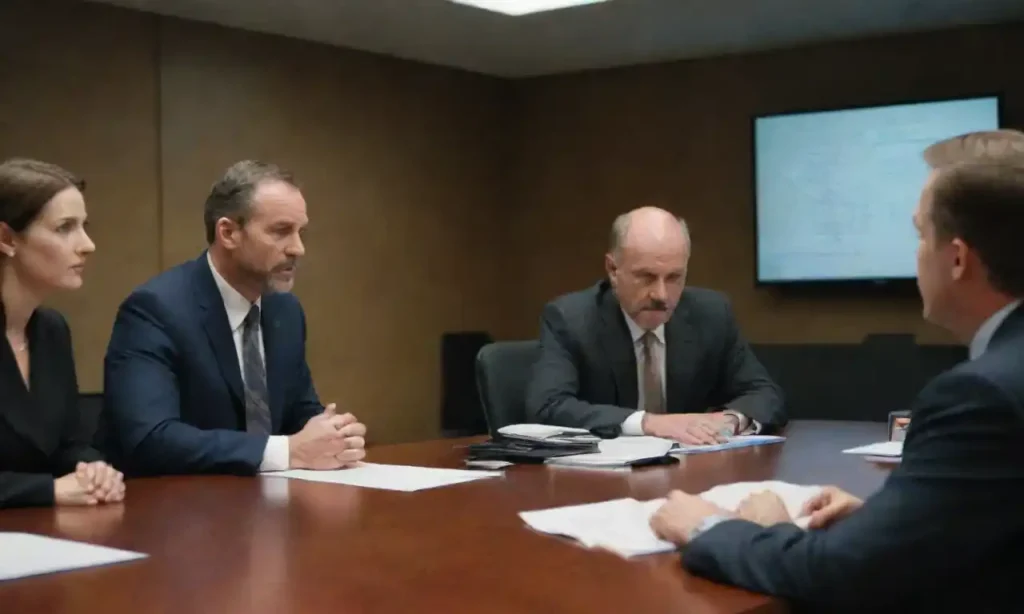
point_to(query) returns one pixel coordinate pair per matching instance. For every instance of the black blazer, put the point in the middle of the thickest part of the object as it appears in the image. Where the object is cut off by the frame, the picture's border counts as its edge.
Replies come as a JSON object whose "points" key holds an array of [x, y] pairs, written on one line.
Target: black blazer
{"points": [[586, 374], [944, 534], [174, 401], [42, 432]]}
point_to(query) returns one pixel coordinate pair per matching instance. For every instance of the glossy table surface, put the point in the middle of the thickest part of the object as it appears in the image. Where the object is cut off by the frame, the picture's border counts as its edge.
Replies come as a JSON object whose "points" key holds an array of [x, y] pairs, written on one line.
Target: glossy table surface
{"points": [[222, 545]]}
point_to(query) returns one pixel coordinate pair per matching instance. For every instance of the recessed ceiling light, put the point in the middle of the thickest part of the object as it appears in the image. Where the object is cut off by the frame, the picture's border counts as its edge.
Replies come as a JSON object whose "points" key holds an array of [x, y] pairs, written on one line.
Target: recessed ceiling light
{"points": [[524, 7]]}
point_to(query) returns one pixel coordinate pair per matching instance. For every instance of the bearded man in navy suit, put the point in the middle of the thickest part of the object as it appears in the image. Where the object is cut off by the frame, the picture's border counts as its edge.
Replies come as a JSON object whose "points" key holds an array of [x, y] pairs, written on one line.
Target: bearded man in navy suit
{"points": [[206, 368]]}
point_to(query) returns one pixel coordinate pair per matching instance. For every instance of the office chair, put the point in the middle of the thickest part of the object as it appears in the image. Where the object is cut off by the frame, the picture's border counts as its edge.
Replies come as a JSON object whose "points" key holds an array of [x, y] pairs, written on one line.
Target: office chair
{"points": [[91, 405], [502, 373]]}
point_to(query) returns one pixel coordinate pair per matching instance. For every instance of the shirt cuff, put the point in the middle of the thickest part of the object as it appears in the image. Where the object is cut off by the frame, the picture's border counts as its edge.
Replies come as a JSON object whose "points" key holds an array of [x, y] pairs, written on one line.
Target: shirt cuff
{"points": [[634, 424], [746, 426], [706, 526], [276, 454]]}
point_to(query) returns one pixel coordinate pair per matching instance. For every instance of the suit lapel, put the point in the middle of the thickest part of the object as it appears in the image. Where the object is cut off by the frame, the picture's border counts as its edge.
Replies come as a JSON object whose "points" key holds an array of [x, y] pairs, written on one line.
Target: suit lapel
{"points": [[218, 330], [680, 362], [272, 350], [618, 347], [26, 411]]}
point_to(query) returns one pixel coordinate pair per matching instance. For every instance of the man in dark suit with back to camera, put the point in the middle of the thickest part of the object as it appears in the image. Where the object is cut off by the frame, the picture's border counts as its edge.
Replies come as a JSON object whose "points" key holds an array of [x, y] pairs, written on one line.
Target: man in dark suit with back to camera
{"points": [[638, 355], [945, 532], [206, 367]]}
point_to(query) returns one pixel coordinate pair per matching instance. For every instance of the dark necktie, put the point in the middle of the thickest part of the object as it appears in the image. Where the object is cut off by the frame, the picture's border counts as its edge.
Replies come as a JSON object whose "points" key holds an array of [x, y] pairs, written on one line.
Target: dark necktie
{"points": [[257, 406]]}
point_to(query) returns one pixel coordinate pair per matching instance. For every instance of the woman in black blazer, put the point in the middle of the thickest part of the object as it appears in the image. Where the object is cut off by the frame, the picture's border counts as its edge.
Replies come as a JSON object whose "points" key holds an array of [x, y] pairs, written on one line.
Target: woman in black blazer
{"points": [[45, 452]]}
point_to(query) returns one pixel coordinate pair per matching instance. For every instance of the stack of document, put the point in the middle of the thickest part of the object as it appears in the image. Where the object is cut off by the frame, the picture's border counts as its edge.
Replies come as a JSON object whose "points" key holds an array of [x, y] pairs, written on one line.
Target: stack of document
{"points": [[623, 451], [618, 452], [619, 525], [626, 450], [548, 433], [794, 496], [882, 452], [622, 526]]}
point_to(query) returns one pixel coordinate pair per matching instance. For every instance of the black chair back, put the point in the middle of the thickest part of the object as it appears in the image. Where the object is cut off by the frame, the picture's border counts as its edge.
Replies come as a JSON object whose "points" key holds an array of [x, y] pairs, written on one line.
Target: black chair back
{"points": [[502, 373], [91, 406]]}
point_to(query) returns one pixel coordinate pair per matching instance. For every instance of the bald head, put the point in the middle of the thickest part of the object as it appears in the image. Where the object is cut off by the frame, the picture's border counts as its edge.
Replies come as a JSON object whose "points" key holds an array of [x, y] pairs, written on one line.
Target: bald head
{"points": [[646, 264], [647, 226]]}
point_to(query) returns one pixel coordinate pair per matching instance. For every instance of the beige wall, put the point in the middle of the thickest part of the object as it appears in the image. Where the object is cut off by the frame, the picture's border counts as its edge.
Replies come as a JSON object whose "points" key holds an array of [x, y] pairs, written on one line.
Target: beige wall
{"points": [[78, 88], [439, 200], [402, 165]]}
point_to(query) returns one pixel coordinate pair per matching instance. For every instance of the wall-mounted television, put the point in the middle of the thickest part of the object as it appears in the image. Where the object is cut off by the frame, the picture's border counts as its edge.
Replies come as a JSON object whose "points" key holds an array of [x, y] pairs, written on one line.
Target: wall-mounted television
{"points": [[835, 190]]}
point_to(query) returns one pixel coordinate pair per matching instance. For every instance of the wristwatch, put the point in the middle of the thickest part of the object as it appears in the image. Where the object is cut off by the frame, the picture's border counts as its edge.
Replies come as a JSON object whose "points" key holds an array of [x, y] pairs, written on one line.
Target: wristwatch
{"points": [[705, 525]]}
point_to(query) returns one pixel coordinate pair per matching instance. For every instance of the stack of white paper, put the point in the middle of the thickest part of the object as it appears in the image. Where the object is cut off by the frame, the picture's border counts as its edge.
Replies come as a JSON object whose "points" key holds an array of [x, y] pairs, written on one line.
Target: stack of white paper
{"points": [[885, 451], [617, 452], [548, 433], [623, 525], [625, 450], [389, 477], [794, 496], [24, 554], [620, 525]]}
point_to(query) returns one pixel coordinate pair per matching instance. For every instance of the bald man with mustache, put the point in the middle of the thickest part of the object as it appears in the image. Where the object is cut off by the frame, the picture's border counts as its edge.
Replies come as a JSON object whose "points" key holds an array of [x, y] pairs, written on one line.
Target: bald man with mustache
{"points": [[640, 353]]}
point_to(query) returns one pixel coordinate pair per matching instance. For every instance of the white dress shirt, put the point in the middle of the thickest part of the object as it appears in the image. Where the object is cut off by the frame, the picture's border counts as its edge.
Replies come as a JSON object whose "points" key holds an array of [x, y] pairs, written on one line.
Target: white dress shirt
{"points": [[276, 454], [633, 425], [982, 337]]}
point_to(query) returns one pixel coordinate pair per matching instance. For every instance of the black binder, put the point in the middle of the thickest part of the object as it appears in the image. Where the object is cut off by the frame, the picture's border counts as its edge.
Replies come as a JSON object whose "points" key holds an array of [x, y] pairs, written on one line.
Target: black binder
{"points": [[517, 450], [521, 450]]}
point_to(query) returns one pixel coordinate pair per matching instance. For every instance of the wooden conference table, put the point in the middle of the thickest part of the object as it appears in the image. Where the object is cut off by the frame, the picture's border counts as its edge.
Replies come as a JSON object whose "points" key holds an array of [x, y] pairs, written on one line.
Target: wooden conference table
{"points": [[226, 545]]}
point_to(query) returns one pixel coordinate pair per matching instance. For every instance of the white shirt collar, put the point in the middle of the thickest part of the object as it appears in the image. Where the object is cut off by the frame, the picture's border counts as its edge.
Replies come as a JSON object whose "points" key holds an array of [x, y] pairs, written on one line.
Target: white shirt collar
{"points": [[985, 332], [236, 305], [637, 333]]}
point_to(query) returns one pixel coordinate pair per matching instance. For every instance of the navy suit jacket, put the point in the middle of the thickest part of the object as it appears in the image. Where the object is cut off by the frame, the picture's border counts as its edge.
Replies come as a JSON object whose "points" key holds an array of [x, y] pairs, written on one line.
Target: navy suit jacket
{"points": [[945, 532], [174, 399]]}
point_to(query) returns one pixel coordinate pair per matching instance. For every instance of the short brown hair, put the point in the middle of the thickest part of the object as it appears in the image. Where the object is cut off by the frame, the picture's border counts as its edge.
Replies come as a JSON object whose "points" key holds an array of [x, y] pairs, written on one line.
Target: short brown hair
{"points": [[27, 185], [231, 195], [981, 202], [983, 145]]}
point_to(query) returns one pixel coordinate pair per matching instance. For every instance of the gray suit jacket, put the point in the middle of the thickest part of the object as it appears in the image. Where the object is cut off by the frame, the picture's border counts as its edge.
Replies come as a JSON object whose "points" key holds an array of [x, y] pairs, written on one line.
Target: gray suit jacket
{"points": [[586, 374]]}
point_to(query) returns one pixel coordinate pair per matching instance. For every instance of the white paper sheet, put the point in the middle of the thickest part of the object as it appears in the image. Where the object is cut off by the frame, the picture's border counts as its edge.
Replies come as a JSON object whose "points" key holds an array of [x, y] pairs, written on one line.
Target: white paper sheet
{"points": [[546, 432], [405, 478], [883, 448], [617, 452], [623, 525], [539, 431], [729, 496], [619, 525], [739, 441], [25, 554]]}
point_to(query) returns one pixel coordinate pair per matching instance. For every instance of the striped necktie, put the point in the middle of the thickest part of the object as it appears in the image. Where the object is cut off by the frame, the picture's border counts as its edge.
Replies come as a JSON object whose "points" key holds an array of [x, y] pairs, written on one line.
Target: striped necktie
{"points": [[257, 405], [654, 398]]}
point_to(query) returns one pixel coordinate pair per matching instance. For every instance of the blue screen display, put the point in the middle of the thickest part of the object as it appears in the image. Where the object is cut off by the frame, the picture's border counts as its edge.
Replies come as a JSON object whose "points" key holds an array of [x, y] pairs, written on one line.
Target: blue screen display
{"points": [[836, 190]]}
